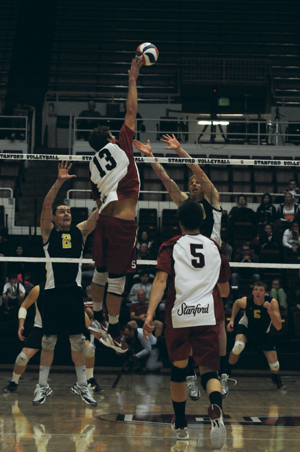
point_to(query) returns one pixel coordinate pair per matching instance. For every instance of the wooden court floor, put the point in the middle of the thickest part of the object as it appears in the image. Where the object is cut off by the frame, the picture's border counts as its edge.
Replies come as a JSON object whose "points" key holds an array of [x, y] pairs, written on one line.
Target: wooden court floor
{"points": [[134, 414]]}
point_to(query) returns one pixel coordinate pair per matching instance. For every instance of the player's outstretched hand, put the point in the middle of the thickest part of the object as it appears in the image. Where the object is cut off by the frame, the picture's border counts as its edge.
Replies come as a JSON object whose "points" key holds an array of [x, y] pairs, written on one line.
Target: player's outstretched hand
{"points": [[172, 142], [148, 327], [135, 68], [144, 148], [63, 171]]}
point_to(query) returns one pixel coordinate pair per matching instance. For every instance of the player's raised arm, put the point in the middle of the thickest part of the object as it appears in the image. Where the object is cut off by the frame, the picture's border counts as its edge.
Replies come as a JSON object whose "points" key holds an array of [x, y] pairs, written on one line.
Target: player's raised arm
{"points": [[177, 196], [210, 192], [46, 215], [87, 226], [131, 104], [274, 313]]}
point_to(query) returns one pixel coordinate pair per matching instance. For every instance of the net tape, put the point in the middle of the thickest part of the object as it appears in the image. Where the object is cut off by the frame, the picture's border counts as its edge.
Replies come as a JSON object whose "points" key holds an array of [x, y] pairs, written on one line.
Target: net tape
{"points": [[174, 160]]}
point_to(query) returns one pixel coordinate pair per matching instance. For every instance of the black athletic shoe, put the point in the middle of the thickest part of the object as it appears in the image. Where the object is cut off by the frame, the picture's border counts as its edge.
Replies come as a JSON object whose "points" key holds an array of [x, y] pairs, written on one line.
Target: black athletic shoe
{"points": [[12, 387], [278, 382], [94, 385]]}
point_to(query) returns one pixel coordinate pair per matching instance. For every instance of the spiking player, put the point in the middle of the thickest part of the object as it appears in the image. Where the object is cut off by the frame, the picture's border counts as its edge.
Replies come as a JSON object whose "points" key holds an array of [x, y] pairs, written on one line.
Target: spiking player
{"points": [[115, 187]]}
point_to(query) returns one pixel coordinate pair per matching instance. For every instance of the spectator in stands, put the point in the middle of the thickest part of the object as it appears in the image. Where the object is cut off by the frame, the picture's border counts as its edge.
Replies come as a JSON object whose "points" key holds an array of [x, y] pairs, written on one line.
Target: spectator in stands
{"points": [[145, 254], [138, 310], [241, 213], [144, 284], [13, 294], [268, 239], [142, 353], [226, 249], [291, 239], [292, 188], [19, 267], [279, 294], [144, 238], [246, 255], [266, 211], [287, 213], [91, 122]]}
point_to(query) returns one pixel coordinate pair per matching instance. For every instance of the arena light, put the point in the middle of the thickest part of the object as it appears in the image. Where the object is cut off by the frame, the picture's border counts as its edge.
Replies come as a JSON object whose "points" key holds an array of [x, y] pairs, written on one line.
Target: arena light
{"points": [[214, 123]]}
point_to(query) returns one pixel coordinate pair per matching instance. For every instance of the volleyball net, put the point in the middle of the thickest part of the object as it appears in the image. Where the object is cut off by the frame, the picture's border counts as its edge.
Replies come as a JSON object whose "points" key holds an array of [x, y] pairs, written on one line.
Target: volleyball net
{"points": [[26, 179]]}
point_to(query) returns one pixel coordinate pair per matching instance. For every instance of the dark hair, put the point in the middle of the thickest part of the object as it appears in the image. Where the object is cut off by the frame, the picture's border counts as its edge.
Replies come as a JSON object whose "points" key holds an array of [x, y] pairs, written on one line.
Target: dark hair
{"points": [[263, 197], [243, 197], [56, 205], [98, 137], [128, 327], [144, 272], [260, 284], [190, 214]]}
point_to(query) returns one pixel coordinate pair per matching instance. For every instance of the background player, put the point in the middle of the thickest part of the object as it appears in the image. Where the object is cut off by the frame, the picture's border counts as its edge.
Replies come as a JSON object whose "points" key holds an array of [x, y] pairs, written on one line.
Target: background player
{"points": [[192, 262], [63, 292], [115, 187], [261, 311]]}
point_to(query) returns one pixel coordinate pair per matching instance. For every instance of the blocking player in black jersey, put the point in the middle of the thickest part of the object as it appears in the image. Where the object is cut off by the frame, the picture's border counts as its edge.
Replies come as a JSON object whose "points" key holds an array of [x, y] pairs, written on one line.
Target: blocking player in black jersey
{"points": [[63, 309], [33, 343], [261, 311]]}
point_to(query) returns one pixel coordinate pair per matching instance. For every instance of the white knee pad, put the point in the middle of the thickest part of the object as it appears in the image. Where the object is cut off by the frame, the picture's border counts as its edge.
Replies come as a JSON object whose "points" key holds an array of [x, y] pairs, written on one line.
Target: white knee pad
{"points": [[22, 359], [238, 347], [116, 285], [274, 366], [49, 342], [89, 351], [77, 343], [100, 278]]}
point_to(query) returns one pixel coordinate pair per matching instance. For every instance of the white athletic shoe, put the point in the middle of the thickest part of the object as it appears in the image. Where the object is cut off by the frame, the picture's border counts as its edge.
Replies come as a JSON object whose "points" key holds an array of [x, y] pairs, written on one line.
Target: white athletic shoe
{"points": [[224, 383], [99, 327], [117, 343], [192, 387], [218, 430], [182, 432], [85, 393], [41, 393]]}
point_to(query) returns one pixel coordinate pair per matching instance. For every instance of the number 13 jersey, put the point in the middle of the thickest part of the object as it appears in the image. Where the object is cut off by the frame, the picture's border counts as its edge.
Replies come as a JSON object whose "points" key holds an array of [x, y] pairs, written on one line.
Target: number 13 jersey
{"points": [[114, 174]]}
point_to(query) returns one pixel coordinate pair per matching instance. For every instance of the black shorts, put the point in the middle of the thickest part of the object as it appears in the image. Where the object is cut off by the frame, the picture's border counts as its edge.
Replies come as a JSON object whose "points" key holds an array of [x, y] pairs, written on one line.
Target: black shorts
{"points": [[34, 340], [63, 311], [261, 341]]}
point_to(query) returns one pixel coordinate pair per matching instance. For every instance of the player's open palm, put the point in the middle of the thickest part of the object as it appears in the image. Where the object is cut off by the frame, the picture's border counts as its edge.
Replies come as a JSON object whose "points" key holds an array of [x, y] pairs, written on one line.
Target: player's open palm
{"points": [[63, 171], [172, 142], [144, 148]]}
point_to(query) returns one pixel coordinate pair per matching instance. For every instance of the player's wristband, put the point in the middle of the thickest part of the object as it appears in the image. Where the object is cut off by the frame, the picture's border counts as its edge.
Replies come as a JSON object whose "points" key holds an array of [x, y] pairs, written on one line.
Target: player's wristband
{"points": [[22, 313]]}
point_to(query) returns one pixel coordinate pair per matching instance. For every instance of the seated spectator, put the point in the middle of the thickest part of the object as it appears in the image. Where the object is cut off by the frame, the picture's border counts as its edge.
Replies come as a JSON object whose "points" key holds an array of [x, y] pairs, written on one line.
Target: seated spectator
{"points": [[291, 238], [241, 213], [19, 267], [279, 294], [144, 284], [246, 255], [268, 239], [292, 188], [144, 238], [142, 353], [287, 212], [226, 249], [145, 254], [138, 310], [266, 211], [91, 122], [28, 281], [13, 295]]}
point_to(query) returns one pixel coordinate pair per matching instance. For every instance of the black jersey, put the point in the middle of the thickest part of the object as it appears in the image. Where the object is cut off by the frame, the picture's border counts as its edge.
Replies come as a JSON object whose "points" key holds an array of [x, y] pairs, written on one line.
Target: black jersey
{"points": [[64, 244], [256, 317], [211, 225]]}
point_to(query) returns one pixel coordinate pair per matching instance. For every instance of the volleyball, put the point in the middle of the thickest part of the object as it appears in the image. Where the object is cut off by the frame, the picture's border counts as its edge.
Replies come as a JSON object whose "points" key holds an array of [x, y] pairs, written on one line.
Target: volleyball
{"points": [[148, 52]]}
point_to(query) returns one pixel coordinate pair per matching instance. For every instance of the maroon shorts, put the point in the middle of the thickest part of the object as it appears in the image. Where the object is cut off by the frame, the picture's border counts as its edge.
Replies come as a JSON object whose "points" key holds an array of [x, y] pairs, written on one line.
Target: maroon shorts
{"points": [[218, 306], [114, 245], [203, 340]]}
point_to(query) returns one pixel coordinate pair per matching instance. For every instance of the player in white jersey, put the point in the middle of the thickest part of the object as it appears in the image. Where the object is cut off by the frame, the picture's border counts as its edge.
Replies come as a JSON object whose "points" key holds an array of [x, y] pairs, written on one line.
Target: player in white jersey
{"points": [[192, 264], [203, 191], [115, 187], [63, 293]]}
